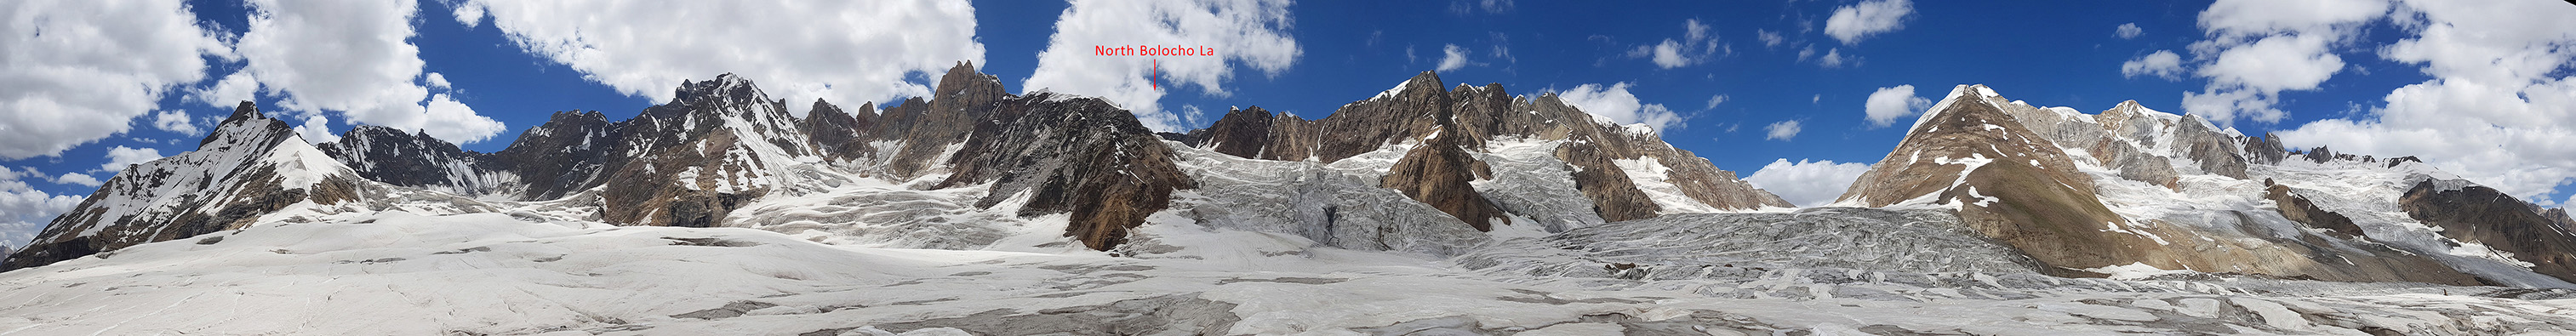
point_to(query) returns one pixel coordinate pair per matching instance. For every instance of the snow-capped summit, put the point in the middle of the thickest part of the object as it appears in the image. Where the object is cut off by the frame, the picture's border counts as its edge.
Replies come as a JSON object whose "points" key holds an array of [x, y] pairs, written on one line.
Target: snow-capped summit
{"points": [[249, 166], [2131, 189]]}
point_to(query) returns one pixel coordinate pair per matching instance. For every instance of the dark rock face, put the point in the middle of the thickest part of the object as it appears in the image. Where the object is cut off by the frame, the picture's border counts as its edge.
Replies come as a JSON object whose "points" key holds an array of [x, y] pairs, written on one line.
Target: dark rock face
{"points": [[2299, 209], [2266, 149], [2486, 216], [225, 184], [838, 135], [1109, 171], [571, 152], [388, 155], [2320, 155], [925, 130], [1242, 132], [1437, 173]]}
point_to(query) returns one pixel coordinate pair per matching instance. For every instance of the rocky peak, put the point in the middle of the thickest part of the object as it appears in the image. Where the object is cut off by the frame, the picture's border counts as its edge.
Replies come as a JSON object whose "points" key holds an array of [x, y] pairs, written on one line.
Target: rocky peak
{"points": [[1081, 156], [835, 133], [415, 159], [250, 165], [964, 87], [2265, 149], [247, 126], [2006, 182], [726, 87]]}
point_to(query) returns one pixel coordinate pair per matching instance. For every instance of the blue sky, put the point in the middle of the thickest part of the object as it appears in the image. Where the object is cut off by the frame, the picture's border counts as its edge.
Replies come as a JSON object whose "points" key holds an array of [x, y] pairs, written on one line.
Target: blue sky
{"points": [[507, 65]]}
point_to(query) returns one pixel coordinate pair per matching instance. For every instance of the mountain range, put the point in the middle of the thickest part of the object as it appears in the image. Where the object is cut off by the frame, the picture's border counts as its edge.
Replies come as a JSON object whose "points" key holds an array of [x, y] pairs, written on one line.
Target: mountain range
{"points": [[1467, 203]]}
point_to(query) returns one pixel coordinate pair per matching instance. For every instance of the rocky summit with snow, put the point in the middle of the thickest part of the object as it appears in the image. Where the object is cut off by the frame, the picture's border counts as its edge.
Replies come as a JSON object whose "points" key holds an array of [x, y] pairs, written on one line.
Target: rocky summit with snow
{"points": [[1423, 210]]}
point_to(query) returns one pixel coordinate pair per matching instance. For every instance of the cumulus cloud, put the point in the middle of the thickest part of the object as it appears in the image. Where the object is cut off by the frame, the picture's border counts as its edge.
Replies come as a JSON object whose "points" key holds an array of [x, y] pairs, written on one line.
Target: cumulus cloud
{"points": [[2129, 30], [1807, 183], [1889, 103], [1250, 33], [2499, 109], [1855, 22], [175, 121], [350, 57], [1832, 59], [1465, 7], [66, 84], [1456, 58], [435, 80], [1615, 103], [119, 157], [1769, 38], [228, 92], [1714, 100], [77, 178], [846, 52], [1698, 44], [1782, 131], [2259, 48], [25, 210], [2162, 63]]}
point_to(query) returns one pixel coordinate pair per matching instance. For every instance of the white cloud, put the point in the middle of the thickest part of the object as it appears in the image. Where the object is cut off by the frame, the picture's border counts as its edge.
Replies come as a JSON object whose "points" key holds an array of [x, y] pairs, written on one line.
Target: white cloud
{"points": [[80, 70], [1769, 38], [2500, 108], [1615, 103], [1889, 103], [2130, 30], [1807, 183], [228, 92], [2259, 48], [1466, 7], [1783, 131], [25, 210], [436, 81], [77, 178], [175, 121], [846, 52], [119, 157], [1698, 44], [350, 57], [1714, 100], [1832, 59], [2162, 63], [1852, 23], [316, 129], [1457, 58], [1669, 55], [1249, 33]]}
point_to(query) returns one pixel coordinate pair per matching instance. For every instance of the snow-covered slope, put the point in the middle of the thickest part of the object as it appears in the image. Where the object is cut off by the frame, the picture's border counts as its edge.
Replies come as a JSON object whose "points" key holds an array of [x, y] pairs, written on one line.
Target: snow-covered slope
{"points": [[397, 273], [249, 166], [2198, 198]]}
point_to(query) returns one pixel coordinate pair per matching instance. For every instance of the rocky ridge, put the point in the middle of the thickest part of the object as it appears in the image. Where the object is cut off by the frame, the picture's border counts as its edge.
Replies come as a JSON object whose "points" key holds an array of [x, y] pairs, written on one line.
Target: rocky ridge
{"points": [[721, 145], [1419, 111], [2131, 189]]}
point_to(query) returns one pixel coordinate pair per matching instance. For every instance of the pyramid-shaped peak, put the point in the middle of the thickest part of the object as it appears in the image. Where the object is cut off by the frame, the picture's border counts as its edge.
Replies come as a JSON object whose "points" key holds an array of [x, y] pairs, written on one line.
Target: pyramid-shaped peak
{"points": [[247, 109], [727, 85]]}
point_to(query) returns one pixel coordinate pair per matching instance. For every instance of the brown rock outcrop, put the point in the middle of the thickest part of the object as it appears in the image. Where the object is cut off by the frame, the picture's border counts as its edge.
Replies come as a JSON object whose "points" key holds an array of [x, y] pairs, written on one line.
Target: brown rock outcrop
{"points": [[2025, 192], [2483, 215], [1078, 155], [1437, 173]]}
